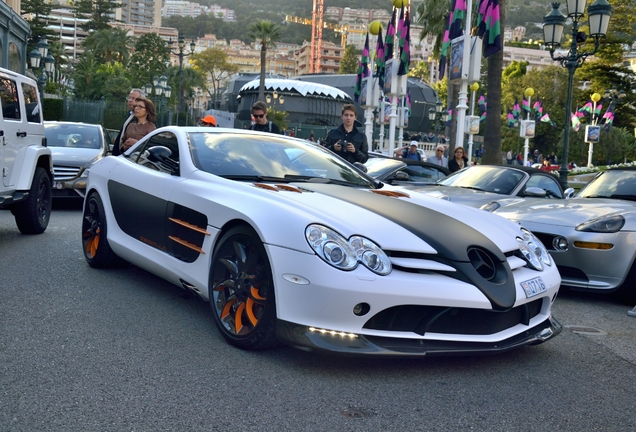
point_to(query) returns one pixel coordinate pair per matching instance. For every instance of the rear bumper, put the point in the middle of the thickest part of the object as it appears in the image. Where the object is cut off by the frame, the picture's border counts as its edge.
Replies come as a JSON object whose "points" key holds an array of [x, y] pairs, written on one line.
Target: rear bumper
{"points": [[310, 339]]}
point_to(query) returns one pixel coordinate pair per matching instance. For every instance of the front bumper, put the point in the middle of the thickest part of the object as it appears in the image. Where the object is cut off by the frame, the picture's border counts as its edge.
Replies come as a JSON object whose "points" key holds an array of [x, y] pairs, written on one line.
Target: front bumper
{"points": [[70, 188], [585, 268], [310, 339]]}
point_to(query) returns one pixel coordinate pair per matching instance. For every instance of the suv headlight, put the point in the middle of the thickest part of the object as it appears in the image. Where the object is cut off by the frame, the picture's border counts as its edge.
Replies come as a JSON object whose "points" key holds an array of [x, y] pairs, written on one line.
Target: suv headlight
{"points": [[533, 250], [345, 254]]}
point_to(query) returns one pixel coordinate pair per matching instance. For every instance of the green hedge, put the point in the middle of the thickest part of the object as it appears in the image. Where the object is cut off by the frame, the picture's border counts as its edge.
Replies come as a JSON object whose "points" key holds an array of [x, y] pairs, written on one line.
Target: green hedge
{"points": [[53, 109]]}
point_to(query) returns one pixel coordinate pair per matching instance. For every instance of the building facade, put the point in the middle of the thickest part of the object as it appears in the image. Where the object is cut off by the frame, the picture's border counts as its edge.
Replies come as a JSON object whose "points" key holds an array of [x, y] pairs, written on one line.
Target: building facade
{"points": [[140, 12], [14, 31]]}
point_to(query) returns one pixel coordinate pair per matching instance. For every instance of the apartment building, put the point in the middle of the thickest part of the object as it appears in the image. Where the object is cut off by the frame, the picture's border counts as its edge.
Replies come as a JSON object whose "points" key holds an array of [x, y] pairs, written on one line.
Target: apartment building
{"points": [[140, 12], [330, 62]]}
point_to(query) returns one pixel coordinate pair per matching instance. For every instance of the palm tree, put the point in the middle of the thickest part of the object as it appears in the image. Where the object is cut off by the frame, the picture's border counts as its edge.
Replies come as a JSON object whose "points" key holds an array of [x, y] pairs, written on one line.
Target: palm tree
{"points": [[266, 33], [111, 45]]}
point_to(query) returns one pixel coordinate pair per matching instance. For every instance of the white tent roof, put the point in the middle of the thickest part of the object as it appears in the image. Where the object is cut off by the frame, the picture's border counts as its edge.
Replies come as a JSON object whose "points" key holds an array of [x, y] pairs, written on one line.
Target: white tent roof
{"points": [[303, 87]]}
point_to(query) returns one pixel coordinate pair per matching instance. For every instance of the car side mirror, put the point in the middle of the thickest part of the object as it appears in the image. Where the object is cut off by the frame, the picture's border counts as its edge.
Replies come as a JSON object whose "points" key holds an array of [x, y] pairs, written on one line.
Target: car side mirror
{"points": [[536, 192], [362, 167], [402, 176], [569, 193], [160, 156]]}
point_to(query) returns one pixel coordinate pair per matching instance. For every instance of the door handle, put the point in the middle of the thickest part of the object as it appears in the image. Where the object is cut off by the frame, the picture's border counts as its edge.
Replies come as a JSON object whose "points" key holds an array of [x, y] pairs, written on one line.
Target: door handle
{"points": [[21, 134]]}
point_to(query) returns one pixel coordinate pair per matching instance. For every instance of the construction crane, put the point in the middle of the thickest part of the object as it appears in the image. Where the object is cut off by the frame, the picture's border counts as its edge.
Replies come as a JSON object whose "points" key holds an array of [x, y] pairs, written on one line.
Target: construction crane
{"points": [[318, 23]]}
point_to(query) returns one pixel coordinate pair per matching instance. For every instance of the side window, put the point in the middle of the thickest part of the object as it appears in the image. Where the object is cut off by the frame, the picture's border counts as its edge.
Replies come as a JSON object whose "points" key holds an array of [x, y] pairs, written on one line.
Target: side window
{"points": [[9, 98], [31, 106], [165, 160]]}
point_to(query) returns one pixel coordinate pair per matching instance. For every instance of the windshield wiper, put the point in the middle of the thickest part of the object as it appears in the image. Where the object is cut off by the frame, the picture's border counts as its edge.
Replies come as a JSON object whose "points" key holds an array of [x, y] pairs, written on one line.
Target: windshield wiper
{"points": [[473, 188]]}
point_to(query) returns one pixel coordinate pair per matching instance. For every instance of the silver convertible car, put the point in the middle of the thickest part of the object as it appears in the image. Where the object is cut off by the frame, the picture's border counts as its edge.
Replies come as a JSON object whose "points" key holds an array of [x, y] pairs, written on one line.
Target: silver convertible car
{"points": [[290, 243], [485, 185], [592, 237]]}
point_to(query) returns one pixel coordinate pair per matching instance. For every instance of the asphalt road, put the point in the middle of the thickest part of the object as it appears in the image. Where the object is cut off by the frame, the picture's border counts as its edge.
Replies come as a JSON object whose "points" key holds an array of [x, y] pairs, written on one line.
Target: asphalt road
{"points": [[122, 350]]}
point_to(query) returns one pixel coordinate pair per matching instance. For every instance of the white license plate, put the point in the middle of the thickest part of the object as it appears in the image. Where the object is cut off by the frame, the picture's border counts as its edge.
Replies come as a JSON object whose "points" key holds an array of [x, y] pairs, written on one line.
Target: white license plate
{"points": [[534, 287]]}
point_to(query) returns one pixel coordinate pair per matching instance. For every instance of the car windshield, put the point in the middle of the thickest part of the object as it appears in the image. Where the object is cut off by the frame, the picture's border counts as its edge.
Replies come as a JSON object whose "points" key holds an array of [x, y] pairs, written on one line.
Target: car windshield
{"points": [[618, 184], [71, 135], [489, 178], [377, 167], [270, 157]]}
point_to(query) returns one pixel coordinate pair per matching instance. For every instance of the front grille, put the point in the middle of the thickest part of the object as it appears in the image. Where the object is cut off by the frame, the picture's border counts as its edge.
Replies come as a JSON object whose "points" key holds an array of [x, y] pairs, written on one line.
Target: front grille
{"points": [[436, 319], [61, 173]]}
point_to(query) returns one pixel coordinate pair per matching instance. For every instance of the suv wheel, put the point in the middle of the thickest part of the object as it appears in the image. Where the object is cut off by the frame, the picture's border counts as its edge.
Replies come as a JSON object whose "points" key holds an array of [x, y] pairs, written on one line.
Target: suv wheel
{"points": [[32, 215]]}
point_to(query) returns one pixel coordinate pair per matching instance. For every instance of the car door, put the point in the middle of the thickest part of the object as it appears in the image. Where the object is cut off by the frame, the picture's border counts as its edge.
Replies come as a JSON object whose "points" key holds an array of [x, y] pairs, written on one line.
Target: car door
{"points": [[20, 110], [140, 194]]}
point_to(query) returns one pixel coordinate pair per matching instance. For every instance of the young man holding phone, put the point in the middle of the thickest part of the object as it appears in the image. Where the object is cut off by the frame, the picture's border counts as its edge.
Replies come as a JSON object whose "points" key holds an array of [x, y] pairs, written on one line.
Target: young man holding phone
{"points": [[346, 140]]}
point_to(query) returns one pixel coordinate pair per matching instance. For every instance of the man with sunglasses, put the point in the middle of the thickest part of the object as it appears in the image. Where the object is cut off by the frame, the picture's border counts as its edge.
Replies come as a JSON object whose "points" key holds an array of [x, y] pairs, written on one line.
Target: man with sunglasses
{"points": [[259, 112]]}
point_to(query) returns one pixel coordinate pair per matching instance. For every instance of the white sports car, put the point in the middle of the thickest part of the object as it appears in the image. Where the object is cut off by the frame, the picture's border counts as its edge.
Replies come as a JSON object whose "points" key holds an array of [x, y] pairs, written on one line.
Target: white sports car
{"points": [[290, 243], [592, 236]]}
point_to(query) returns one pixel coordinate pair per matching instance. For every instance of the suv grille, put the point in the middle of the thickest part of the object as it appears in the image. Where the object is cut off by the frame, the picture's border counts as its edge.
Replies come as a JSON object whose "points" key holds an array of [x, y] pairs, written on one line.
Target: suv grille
{"points": [[61, 173]]}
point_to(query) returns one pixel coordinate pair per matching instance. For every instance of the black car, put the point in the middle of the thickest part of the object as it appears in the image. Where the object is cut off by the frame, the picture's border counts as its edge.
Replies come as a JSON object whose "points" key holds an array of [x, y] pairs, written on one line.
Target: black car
{"points": [[397, 171]]}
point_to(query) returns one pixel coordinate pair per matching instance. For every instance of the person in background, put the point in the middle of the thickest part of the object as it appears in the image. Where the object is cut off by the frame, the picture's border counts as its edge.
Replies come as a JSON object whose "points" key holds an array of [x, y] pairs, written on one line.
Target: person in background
{"points": [[346, 140], [410, 152], [261, 124], [208, 121], [439, 158], [141, 125], [131, 100], [459, 161]]}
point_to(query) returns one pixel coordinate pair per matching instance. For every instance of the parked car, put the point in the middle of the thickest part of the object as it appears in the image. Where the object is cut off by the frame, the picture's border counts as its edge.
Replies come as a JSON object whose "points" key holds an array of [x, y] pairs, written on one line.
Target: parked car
{"points": [[290, 243], [403, 171], [591, 236], [25, 160], [488, 185], [75, 146]]}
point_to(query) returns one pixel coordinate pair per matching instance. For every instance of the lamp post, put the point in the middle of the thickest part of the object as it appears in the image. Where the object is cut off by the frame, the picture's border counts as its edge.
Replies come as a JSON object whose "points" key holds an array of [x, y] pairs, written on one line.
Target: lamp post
{"points": [[434, 115], [181, 55], [553, 25], [161, 88], [36, 56], [473, 88], [528, 93]]}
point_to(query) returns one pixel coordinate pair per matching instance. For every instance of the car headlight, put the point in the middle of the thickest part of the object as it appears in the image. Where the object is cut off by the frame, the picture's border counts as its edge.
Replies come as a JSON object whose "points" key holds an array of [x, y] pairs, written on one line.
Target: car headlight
{"points": [[533, 250], [491, 206], [345, 254], [603, 224]]}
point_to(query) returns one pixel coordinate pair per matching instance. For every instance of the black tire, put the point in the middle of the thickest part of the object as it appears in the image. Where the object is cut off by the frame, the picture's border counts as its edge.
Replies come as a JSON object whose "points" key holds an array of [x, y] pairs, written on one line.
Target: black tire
{"points": [[97, 251], [32, 215], [627, 291], [242, 291]]}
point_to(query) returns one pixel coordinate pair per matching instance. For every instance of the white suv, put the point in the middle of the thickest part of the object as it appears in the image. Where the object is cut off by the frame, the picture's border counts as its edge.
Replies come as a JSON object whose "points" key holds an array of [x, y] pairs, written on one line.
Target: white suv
{"points": [[25, 161]]}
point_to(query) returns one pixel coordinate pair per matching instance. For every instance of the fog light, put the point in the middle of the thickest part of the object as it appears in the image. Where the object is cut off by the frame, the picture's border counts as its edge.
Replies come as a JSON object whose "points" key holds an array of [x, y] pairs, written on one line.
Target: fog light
{"points": [[560, 243], [361, 309]]}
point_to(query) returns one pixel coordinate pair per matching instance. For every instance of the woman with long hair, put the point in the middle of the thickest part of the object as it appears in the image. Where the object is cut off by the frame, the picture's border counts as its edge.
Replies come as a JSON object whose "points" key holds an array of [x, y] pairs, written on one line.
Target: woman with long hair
{"points": [[142, 125], [459, 161]]}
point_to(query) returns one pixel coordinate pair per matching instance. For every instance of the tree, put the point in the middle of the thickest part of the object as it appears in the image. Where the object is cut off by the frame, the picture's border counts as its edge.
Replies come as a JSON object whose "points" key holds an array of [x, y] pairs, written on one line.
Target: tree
{"points": [[149, 59], [213, 63], [109, 45], [350, 60], [35, 10], [492, 126], [265, 33], [421, 71], [98, 12]]}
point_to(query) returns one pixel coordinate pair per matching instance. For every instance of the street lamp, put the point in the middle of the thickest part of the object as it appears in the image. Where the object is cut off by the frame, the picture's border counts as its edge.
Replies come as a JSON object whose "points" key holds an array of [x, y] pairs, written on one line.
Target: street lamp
{"points": [[47, 67], [181, 54], [434, 115], [553, 25], [528, 93], [161, 88]]}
